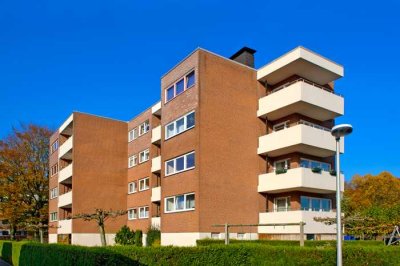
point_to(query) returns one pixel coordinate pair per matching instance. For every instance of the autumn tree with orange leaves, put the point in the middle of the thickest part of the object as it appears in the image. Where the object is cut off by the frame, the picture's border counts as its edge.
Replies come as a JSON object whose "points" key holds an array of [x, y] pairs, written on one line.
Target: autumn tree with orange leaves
{"points": [[24, 173]]}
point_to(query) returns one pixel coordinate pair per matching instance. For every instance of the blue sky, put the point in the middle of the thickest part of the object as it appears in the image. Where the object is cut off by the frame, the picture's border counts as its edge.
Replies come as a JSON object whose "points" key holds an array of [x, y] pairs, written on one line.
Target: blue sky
{"points": [[107, 57]]}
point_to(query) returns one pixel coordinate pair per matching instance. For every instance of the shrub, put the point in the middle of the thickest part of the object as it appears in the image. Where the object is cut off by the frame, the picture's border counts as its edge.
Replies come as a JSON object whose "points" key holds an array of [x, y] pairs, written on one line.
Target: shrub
{"points": [[125, 236], [6, 252], [316, 170], [280, 171], [153, 236], [10, 251], [138, 238]]}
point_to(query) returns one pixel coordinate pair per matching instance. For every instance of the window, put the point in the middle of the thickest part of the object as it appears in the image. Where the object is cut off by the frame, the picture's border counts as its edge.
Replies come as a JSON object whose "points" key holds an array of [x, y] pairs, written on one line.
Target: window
{"points": [[133, 134], [282, 164], [315, 204], [180, 164], [54, 193], [282, 204], [144, 184], [54, 146], [180, 125], [54, 169], [144, 128], [185, 202], [144, 156], [132, 161], [132, 187], [53, 216], [143, 212], [281, 126], [306, 163], [214, 235], [132, 214], [180, 86], [190, 80]]}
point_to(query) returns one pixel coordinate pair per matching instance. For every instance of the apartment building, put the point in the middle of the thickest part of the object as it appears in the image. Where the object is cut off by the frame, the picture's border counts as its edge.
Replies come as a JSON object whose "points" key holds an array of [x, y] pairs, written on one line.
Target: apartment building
{"points": [[227, 143]]}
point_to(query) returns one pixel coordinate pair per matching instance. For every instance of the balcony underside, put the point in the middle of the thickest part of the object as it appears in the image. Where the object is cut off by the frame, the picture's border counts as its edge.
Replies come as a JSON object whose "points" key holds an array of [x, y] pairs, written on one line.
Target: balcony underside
{"points": [[301, 148]]}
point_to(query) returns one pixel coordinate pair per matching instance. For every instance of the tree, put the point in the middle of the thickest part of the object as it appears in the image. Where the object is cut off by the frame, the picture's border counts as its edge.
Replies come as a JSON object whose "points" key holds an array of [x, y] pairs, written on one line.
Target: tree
{"points": [[100, 216], [125, 236], [24, 173]]}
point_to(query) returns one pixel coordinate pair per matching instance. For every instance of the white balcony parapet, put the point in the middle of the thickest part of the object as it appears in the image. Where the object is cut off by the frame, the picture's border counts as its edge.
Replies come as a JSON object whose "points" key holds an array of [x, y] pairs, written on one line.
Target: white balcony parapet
{"points": [[65, 173], [156, 194], [156, 109], [311, 226], [156, 164], [65, 125], [65, 200], [156, 135], [299, 138], [65, 148], [64, 227], [302, 62], [156, 222], [299, 179], [303, 97]]}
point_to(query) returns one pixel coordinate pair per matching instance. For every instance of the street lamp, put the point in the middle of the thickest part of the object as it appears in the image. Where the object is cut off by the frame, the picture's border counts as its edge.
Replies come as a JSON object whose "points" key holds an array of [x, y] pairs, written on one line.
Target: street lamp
{"points": [[338, 132]]}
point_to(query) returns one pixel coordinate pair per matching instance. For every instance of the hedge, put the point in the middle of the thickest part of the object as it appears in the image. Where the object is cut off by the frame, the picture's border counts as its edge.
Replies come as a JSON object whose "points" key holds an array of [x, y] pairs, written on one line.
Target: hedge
{"points": [[307, 243], [238, 254]]}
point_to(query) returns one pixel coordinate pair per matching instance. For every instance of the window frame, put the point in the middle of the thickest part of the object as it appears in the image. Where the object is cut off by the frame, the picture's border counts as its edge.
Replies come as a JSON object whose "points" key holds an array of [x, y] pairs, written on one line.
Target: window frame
{"points": [[134, 212], [51, 218], [143, 180], [184, 164], [285, 124], [174, 123], [287, 204], [54, 169], [314, 161], [146, 128], [175, 203], [134, 186], [287, 163], [174, 85], [320, 204], [55, 143], [54, 193], [144, 152], [135, 162]]}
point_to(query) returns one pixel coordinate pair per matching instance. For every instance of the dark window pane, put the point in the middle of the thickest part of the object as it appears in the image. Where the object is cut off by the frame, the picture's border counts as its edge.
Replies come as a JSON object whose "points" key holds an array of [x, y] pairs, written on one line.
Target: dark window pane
{"points": [[179, 164], [170, 93], [190, 160], [305, 203], [179, 87], [190, 80], [190, 120]]}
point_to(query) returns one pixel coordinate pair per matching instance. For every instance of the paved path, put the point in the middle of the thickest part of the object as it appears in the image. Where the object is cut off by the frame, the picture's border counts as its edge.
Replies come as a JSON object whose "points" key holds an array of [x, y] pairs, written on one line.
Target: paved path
{"points": [[3, 263]]}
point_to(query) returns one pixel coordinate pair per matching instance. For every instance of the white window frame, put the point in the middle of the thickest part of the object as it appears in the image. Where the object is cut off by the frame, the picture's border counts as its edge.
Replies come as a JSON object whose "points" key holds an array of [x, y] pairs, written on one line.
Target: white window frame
{"points": [[287, 163], [54, 146], [54, 193], [134, 185], [285, 124], [134, 161], [133, 134], [185, 88], [144, 152], [320, 205], [184, 164], [184, 203], [53, 217], [145, 126], [148, 212], [54, 169], [143, 181], [186, 128], [314, 161], [287, 205], [134, 212]]}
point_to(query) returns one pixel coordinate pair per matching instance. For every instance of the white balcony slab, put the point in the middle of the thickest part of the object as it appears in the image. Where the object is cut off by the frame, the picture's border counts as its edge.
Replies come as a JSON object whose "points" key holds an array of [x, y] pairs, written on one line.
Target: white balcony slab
{"points": [[156, 109], [156, 164], [302, 62], [300, 138], [303, 98], [64, 227], [65, 150], [156, 222], [66, 127], [65, 200], [65, 174], [299, 179], [311, 226], [156, 194], [156, 135]]}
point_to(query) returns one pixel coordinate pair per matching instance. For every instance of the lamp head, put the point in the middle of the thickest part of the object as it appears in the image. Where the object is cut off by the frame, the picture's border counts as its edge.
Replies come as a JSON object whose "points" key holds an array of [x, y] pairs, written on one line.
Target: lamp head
{"points": [[341, 130]]}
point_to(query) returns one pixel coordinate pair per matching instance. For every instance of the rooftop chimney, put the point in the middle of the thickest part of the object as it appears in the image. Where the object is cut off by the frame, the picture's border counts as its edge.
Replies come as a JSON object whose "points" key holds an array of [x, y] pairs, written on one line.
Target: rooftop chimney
{"points": [[244, 56]]}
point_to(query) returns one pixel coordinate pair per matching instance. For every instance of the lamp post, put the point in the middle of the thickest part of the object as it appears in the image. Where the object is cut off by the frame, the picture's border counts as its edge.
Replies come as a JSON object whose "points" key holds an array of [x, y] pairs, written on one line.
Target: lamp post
{"points": [[338, 132]]}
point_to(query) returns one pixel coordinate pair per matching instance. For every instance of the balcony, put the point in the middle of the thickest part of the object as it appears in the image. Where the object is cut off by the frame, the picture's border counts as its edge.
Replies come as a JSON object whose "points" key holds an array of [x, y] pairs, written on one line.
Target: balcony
{"points": [[156, 222], [311, 226], [65, 150], [65, 200], [299, 179], [156, 109], [156, 165], [303, 97], [301, 62], [156, 135], [299, 138], [155, 194], [66, 128], [65, 175], [65, 227]]}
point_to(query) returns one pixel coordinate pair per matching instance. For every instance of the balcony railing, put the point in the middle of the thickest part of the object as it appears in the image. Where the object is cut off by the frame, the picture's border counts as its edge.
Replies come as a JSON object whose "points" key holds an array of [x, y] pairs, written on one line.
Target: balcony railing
{"points": [[306, 81]]}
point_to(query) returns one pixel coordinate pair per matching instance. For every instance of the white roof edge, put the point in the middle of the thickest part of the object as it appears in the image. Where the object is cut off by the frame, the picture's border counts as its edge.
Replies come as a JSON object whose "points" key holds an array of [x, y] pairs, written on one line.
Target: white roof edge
{"points": [[156, 107], [66, 123], [306, 54]]}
